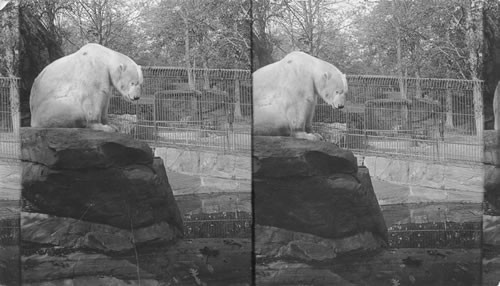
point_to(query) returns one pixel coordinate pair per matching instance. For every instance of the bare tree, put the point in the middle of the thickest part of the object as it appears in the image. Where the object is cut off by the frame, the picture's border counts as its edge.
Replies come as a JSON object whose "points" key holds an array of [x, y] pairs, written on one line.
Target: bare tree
{"points": [[105, 22], [9, 26], [264, 14]]}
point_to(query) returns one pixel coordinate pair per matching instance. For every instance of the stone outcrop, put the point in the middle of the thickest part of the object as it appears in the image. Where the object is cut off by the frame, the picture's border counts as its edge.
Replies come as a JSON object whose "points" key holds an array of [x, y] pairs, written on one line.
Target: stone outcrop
{"points": [[311, 201], [491, 217], [89, 193], [492, 170]]}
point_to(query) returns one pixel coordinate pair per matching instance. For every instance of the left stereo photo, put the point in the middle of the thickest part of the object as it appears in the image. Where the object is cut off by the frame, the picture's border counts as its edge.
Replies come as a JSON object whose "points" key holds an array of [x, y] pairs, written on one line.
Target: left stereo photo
{"points": [[125, 143]]}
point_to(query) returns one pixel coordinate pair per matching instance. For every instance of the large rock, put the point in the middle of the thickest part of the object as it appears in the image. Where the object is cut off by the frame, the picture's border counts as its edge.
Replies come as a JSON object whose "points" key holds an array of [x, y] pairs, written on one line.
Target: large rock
{"points": [[313, 188], [78, 234], [88, 193], [75, 148], [491, 218], [492, 171], [273, 242], [108, 178], [279, 157]]}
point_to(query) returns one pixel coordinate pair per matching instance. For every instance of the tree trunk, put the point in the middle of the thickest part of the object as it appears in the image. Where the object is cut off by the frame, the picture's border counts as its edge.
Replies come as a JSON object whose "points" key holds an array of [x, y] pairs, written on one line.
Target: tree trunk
{"points": [[402, 79], [474, 40], [206, 79], [237, 100], [187, 53], [261, 46], [491, 60], [449, 96], [449, 109], [15, 107], [402, 83], [478, 107], [496, 108], [418, 88]]}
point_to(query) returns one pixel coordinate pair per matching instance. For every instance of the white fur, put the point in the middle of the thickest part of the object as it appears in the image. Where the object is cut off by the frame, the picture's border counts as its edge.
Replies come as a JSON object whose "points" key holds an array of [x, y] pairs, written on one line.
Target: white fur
{"points": [[285, 95], [74, 91]]}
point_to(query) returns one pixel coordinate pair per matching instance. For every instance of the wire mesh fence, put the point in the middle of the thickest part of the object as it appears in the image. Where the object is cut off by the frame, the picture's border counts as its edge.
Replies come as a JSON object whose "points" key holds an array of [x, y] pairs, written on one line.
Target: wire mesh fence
{"points": [[218, 225], [9, 118], [196, 108], [420, 118], [9, 232], [9, 223], [444, 235]]}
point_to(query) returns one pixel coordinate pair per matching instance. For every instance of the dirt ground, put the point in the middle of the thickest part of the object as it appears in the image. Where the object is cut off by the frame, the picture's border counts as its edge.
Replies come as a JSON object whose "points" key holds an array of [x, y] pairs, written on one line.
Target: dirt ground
{"points": [[217, 261], [413, 266], [390, 267]]}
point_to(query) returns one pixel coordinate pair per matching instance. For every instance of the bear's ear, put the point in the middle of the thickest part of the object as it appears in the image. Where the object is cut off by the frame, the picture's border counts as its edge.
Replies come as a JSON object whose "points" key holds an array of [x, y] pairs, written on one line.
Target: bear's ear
{"points": [[327, 75], [123, 67]]}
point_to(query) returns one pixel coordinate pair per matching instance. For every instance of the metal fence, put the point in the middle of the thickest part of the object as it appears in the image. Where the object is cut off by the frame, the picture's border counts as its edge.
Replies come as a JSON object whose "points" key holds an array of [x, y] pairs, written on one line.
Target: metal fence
{"points": [[419, 118], [9, 118], [436, 235], [197, 108], [218, 225]]}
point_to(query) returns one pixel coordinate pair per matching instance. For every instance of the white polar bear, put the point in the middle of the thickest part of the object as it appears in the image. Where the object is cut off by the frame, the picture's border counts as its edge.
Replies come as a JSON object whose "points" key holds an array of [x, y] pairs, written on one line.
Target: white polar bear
{"points": [[74, 91], [285, 94]]}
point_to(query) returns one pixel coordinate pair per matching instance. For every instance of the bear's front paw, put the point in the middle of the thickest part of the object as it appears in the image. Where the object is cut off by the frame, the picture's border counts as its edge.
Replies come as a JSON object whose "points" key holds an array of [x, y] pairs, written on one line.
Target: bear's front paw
{"points": [[105, 128], [309, 136]]}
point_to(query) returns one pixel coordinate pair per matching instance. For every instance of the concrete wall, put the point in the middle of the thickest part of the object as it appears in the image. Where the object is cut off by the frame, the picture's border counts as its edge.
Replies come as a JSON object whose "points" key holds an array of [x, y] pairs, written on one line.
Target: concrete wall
{"points": [[225, 180], [10, 180], [429, 180], [220, 171]]}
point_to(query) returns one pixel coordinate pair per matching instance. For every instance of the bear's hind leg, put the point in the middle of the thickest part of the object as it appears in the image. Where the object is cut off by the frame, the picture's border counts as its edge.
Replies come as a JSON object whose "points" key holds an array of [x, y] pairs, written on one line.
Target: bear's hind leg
{"points": [[58, 114]]}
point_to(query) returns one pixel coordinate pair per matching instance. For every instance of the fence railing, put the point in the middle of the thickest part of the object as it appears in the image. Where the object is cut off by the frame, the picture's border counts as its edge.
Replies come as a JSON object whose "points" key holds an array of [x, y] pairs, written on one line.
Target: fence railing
{"points": [[199, 108], [10, 147], [218, 225], [419, 118]]}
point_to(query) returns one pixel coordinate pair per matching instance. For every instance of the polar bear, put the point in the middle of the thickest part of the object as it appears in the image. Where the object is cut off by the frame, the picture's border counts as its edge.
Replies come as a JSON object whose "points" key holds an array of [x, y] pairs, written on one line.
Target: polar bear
{"points": [[74, 91], [285, 94]]}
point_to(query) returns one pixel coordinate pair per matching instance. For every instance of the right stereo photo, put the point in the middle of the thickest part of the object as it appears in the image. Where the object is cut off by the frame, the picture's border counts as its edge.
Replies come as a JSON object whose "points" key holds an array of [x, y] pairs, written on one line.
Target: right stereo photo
{"points": [[375, 150]]}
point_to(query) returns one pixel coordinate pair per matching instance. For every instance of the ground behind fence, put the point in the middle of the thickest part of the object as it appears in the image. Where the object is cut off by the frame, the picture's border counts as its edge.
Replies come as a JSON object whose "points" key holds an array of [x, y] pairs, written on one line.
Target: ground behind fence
{"points": [[203, 108], [428, 119]]}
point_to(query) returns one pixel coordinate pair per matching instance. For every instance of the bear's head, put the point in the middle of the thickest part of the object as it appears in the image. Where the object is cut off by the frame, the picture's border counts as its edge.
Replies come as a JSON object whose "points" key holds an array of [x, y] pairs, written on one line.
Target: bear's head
{"points": [[332, 87], [127, 79]]}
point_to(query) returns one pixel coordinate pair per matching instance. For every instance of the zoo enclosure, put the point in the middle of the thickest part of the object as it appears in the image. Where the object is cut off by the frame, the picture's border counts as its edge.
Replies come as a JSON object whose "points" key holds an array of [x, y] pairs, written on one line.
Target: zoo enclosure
{"points": [[416, 118], [192, 108], [9, 118]]}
